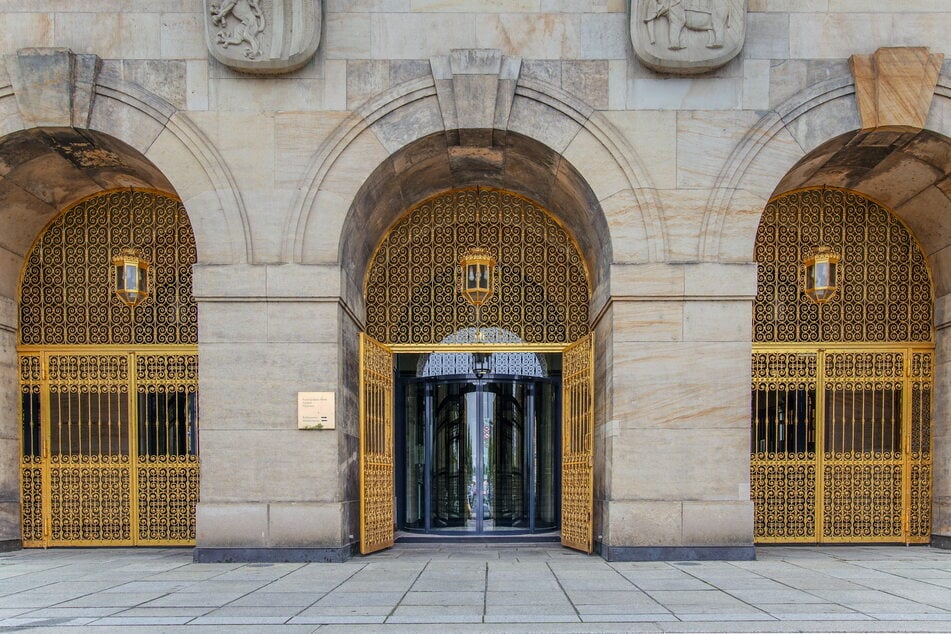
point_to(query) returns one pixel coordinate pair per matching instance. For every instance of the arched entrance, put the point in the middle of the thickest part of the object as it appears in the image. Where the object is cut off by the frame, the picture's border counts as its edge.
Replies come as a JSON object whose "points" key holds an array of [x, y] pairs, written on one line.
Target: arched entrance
{"points": [[108, 393], [842, 391], [449, 458]]}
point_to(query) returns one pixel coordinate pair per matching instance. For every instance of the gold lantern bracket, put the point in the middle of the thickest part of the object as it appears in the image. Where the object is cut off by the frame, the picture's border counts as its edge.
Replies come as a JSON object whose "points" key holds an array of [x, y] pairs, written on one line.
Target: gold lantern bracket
{"points": [[131, 277], [821, 268]]}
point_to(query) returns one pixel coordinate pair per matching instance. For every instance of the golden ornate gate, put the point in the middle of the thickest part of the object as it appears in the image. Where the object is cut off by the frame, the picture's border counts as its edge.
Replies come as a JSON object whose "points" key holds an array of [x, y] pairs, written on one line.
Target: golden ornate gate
{"points": [[540, 303], [109, 409], [377, 512], [841, 392], [577, 460]]}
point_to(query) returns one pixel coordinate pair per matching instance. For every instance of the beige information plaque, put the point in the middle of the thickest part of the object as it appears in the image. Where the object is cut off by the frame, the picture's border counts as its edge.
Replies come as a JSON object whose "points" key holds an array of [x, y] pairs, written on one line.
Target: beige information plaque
{"points": [[315, 410]]}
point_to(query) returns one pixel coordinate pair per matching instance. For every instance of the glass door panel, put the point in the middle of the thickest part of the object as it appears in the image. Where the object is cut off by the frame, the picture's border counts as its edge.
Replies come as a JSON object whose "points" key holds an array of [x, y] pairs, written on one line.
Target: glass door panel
{"points": [[480, 455]]}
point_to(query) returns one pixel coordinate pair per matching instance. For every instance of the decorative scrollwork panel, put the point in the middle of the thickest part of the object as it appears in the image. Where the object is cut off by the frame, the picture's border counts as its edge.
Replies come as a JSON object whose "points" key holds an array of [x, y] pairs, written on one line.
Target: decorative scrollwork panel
{"points": [[66, 296], [412, 285], [885, 292]]}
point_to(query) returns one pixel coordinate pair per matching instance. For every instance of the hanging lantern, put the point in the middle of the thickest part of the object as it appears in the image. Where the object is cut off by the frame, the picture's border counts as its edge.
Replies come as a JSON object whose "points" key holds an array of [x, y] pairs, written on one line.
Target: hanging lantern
{"points": [[481, 364], [478, 276], [822, 273], [131, 277]]}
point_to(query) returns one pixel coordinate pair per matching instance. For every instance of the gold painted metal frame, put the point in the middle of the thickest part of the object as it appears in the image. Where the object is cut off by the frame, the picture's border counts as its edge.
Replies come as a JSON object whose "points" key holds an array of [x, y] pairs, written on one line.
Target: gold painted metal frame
{"points": [[577, 471], [865, 475], [377, 488], [842, 392], [108, 398], [118, 495]]}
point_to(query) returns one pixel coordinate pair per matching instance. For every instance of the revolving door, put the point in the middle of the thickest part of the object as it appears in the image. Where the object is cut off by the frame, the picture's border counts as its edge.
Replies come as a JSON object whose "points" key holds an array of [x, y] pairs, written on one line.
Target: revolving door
{"points": [[479, 455]]}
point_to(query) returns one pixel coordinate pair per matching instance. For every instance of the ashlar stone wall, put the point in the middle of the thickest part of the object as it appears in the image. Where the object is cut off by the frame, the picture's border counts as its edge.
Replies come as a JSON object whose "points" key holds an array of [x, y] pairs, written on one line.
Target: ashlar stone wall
{"points": [[271, 169]]}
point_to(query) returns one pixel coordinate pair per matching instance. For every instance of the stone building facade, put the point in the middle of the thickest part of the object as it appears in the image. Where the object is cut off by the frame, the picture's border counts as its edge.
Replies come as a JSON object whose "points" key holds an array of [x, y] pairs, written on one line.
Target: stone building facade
{"points": [[291, 179]]}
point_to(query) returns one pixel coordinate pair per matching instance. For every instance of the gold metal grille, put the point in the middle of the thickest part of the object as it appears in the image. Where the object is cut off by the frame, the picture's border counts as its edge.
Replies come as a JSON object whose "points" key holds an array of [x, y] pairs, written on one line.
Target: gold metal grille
{"points": [[66, 295], [885, 292], [577, 477], [377, 512], [412, 285], [841, 392], [109, 419]]}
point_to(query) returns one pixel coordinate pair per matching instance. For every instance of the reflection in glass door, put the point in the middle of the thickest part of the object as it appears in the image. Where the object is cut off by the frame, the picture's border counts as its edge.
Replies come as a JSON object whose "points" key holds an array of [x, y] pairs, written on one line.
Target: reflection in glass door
{"points": [[480, 455]]}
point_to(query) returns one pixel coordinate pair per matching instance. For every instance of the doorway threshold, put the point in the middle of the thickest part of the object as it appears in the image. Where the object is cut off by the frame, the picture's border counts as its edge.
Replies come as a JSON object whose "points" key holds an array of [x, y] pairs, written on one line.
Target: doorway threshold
{"points": [[403, 537]]}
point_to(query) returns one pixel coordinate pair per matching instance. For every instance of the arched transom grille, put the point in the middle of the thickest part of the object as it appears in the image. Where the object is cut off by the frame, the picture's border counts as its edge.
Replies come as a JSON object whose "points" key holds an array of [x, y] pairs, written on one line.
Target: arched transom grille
{"points": [[412, 285], [66, 294], [885, 292]]}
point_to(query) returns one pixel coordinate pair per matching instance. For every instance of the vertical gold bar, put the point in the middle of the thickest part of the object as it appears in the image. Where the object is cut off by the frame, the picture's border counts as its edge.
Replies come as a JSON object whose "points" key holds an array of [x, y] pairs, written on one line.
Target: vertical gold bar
{"points": [[820, 444], [906, 456], [132, 456]]}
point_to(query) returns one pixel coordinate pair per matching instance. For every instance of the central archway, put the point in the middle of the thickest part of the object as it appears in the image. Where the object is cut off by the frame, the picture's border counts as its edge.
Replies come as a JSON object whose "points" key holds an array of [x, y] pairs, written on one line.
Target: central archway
{"points": [[414, 307]]}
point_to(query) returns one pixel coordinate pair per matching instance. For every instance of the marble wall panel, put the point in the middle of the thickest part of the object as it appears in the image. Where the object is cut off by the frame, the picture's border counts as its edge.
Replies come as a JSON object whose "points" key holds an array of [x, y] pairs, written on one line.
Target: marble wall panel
{"points": [[300, 281], [652, 134], [232, 322], [24, 30], [756, 74], [638, 321], [824, 122], [687, 94], [839, 35], [183, 37], [241, 465], [297, 137], [265, 95], [232, 525], [211, 281], [727, 280], [10, 265], [599, 168], [423, 35], [718, 320], [366, 78], [540, 122], [346, 35], [304, 524], [767, 36], [475, 6], [647, 280], [681, 464], [627, 226], [718, 523], [705, 141], [683, 212], [413, 121], [605, 36], [940, 262], [254, 386], [537, 36], [941, 434], [644, 523], [586, 80], [302, 322], [683, 386]]}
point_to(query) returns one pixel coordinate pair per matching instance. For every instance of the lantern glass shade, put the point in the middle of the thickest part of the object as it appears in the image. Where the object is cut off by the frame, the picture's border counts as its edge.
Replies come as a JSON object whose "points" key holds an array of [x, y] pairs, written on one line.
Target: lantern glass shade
{"points": [[481, 363], [822, 272], [131, 277], [478, 272]]}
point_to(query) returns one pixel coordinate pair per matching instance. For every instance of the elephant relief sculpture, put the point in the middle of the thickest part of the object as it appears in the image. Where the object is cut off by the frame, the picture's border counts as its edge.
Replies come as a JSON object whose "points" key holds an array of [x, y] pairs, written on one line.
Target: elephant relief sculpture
{"points": [[712, 16]]}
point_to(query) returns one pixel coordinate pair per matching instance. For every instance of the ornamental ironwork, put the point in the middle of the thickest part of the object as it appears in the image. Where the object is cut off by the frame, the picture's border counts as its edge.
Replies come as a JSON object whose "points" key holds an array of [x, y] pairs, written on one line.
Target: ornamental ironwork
{"points": [[541, 292], [109, 397], [885, 292], [840, 446], [67, 295]]}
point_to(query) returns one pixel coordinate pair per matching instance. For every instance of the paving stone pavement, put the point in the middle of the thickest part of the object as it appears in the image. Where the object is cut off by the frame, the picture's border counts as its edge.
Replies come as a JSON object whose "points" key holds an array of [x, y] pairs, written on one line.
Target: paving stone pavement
{"points": [[452, 587]]}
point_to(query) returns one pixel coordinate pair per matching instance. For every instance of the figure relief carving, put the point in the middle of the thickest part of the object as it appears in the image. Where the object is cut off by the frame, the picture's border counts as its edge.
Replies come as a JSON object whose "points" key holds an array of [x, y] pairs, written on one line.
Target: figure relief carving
{"points": [[250, 24], [687, 36], [263, 36]]}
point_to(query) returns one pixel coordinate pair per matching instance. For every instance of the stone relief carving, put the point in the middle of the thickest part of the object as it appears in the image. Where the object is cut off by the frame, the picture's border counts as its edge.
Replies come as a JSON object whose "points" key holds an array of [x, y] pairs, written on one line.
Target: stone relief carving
{"points": [[687, 36], [263, 36]]}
